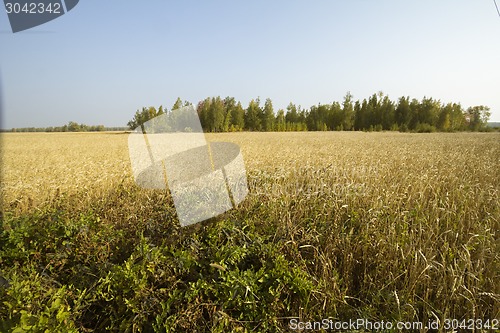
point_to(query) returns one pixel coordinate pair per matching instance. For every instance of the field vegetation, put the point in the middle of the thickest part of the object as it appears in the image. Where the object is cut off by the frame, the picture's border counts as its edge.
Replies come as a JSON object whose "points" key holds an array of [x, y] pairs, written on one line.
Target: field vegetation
{"points": [[382, 225]]}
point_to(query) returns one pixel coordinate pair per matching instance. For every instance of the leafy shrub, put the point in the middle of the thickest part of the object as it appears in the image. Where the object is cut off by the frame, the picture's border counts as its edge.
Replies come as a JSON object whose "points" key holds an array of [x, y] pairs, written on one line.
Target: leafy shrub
{"points": [[424, 128]]}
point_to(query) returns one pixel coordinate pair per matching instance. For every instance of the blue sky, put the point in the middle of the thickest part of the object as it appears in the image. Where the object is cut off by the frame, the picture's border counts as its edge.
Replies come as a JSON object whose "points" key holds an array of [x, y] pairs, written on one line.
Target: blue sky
{"points": [[104, 59]]}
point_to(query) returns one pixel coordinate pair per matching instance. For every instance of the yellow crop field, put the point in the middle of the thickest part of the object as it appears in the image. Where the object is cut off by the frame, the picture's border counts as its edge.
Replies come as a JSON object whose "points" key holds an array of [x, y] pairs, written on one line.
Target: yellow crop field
{"points": [[35, 165], [400, 227], [38, 165]]}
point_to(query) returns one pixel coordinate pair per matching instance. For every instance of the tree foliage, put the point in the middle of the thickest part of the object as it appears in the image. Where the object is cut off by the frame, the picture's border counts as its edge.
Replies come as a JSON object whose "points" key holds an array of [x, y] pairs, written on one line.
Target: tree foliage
{"points": [[375, 113], [143, 116]]}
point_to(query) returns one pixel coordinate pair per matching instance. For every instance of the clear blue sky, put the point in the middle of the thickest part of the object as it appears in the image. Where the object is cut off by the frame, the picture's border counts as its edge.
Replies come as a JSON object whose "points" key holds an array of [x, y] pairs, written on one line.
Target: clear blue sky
{"points": [[104, 59]]}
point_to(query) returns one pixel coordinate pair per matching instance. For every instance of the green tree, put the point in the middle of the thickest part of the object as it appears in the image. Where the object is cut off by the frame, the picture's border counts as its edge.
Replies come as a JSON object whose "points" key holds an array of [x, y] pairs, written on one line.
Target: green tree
{"points": [[444, 119], [477, 117], [178, 104], [280, 121], [318, 117], [374, 111], [355, 112], [73, 127], [267, 118], [292, 116], [457, 118], [252, 115], [387, 111], [141, 117], [414, 113], [216, 114], [160, 110], [203, 110], [360, 115], [238, 117], [211, 112], [335, 117], [429, 111], [229, 105], [301, 125], [347, 112], [402, 113]]}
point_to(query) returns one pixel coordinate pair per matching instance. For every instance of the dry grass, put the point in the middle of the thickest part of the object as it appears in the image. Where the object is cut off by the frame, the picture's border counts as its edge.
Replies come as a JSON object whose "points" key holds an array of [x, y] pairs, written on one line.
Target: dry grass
{"points": [[384, 224], [38, 166]]}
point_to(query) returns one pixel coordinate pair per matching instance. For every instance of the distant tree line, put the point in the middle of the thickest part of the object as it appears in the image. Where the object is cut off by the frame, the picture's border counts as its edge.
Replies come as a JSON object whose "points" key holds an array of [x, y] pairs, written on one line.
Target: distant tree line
{"points": [[377, 113], [70, 127]]}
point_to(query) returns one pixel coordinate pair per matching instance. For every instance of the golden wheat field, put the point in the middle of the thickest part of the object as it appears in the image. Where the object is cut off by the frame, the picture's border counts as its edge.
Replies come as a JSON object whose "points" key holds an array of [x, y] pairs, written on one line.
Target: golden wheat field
{"points": [[382, 225], [393, 165]]}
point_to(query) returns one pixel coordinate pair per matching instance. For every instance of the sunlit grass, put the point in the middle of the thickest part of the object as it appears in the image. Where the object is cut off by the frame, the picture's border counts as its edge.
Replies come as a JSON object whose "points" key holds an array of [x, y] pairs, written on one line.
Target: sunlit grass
{"points": [[374, 225]]}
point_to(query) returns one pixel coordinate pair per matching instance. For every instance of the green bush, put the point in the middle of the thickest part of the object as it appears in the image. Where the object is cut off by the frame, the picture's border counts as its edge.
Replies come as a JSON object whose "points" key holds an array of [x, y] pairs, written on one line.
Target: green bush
{"points": [[424, 128]]}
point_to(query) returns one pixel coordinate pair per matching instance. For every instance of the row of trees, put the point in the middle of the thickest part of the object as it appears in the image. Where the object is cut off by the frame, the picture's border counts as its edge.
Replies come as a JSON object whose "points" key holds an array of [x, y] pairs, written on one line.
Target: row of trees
{"points": [[376, 113], [70, 127]]}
